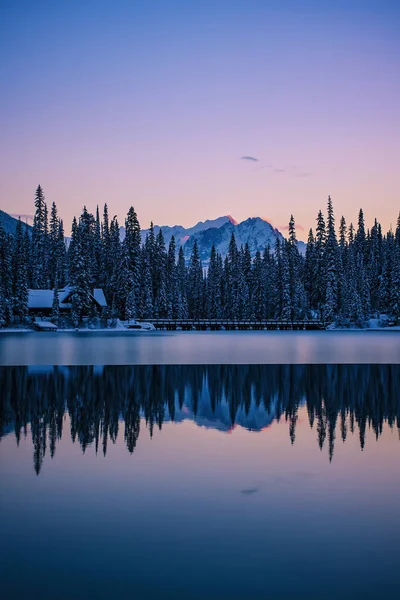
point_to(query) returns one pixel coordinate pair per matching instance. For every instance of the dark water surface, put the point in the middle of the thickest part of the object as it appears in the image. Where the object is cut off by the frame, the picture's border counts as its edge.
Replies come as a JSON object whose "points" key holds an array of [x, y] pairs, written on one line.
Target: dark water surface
{"points": [[244, 347], [203, 482]]}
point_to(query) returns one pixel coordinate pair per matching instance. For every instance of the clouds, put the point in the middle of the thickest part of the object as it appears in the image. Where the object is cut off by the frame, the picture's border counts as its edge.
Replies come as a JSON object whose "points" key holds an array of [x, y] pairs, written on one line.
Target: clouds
{"points": [[290, 172], [250, 158]]}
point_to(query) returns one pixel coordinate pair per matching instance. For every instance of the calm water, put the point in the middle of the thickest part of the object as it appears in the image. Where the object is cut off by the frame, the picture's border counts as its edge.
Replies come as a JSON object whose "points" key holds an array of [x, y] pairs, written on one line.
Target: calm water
{"points": [[198, 482], [251, 347]]}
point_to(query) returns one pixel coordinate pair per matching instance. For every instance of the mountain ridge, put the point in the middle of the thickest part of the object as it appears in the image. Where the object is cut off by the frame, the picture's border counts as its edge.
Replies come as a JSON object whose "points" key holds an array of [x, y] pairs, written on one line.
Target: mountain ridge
{"points": [[9, 223], [254, 231]]}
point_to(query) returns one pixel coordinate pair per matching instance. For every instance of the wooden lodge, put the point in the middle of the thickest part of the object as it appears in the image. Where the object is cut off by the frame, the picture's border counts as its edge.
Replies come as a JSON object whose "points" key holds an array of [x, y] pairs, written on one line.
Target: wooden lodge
{"points": [[40, 302]]}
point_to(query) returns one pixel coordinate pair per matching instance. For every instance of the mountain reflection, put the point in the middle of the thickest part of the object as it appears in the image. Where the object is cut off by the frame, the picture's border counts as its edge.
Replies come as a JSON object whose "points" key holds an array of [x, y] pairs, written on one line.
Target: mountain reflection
{"points": [[337, 398]]}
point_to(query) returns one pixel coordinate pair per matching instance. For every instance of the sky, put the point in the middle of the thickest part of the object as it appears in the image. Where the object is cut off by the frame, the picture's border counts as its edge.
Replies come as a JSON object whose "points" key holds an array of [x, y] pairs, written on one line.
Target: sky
{"points": [[154, 103]]}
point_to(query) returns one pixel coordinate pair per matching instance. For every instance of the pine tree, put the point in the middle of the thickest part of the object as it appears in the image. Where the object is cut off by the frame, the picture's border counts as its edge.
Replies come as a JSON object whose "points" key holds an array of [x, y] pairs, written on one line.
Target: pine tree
{"points": [[39, 242], [20, 275], [195, 284], [395, 286], [124, 294], [309, 270], [6, 278], [97, 251], [55, 307], [79, 278], [287, 307], [172, 281], [295, 285], [183, 306], [133, 242], [332, 267], [257, 296], [320, 265], [213, 302]]}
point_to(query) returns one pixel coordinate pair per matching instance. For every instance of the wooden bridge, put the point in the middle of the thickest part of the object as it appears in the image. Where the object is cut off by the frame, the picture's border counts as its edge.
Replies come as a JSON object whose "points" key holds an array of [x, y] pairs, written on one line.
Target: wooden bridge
{"points": [[234, 325]]}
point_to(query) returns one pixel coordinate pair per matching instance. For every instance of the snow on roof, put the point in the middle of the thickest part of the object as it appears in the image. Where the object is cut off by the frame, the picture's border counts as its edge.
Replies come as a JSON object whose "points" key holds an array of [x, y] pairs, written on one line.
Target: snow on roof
{"points": [[99, 297], [43, 299], [40, 299], [39, 324]]}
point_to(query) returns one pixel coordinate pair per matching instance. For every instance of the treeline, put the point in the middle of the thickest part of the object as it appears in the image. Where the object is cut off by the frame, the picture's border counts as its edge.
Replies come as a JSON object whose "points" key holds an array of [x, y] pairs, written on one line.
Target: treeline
{"points": [[96, 401], [342, 278]]}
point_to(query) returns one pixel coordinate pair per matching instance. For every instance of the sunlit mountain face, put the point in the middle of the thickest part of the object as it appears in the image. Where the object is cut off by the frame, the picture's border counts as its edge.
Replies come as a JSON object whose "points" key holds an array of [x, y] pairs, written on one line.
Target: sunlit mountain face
{"points": [[102, 403], [256, 232]]}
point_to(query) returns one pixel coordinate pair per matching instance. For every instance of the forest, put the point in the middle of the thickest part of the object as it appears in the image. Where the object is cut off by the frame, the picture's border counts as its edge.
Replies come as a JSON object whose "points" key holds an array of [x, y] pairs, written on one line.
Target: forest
{"points": [[345, 277]]}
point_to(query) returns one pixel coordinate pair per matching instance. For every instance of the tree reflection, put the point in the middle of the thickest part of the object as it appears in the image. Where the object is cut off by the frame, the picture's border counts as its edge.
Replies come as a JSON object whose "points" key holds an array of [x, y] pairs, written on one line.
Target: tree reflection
{"points": [[337, 397]]}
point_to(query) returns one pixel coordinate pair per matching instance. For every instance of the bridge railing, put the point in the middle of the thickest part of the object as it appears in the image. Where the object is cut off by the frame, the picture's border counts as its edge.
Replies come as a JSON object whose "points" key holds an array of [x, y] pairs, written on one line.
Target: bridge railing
{"points": [[236, 322]]}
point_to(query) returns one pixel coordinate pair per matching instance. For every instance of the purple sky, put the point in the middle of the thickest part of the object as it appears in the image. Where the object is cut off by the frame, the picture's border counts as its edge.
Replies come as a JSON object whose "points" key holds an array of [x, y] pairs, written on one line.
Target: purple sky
{"points": [[153, 103]]}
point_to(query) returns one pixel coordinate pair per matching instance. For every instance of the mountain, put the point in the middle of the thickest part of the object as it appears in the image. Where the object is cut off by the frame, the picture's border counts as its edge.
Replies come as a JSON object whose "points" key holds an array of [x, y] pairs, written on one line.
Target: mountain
{"points": [[255, 231], [10, 224], [182, 234]]}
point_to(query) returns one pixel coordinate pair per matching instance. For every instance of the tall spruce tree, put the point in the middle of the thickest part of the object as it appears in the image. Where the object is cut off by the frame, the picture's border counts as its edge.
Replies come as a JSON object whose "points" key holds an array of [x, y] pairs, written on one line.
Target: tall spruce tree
{"points": [[20, 275]]}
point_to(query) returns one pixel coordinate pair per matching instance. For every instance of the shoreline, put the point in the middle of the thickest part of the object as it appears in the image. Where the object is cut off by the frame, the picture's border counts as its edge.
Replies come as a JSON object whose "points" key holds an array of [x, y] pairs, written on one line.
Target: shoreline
{"points": [[394, 328]]}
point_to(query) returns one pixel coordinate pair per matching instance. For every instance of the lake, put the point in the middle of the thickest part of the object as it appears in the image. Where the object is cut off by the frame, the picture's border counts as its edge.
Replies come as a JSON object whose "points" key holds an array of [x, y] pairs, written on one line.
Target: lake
{"points": [[245, 347], [200, 481]]}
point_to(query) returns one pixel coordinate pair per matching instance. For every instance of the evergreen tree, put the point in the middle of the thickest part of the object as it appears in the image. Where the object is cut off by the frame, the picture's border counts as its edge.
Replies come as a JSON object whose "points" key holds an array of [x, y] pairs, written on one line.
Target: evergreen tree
{"points": [[6, 278], [320, 265], [39, 242], [332, 267], [309, 270], [79, 277], [20, 275], [55, 307], [195, 284]]}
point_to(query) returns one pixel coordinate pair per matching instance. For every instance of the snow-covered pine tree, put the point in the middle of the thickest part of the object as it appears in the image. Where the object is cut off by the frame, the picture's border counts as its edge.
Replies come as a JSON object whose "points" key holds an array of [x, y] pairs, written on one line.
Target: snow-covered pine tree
{"points": [[124, 293], [195, 284], [385, 286], [232, 276], [183, 305], [320, 265], [159, 276], [268, 289], [278, 282], [55, 306], [360, 238], [297, 298], [39, 242], [332, 267], [79, 278], [114, 259], [6, 278], [257, 301], [20, 275], [54, 247], [133, 241], [395, 285], [97, 251], [287, 307], [309, 270], [213, 300], [397, 235], [28, 254]]}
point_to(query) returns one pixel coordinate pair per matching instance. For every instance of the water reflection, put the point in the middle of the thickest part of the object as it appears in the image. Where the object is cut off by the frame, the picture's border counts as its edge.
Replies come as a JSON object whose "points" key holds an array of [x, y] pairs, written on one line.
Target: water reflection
{"points": [[339, 399]]}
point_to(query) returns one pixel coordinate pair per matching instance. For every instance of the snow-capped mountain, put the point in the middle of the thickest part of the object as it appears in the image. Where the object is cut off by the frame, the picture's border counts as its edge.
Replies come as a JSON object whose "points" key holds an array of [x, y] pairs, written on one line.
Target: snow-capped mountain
{"points": [[182, 234], [9, 223], [255, 231]]}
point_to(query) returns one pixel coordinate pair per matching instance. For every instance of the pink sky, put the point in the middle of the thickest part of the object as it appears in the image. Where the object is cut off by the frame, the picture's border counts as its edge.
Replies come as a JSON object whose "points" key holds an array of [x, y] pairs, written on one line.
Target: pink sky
{"points": [[155, 106]]}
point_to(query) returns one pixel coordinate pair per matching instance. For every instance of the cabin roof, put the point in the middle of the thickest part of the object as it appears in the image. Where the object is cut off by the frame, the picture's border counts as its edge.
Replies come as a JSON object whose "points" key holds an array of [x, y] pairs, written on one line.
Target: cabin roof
{"points": [[99, 297], [43, 299]]}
